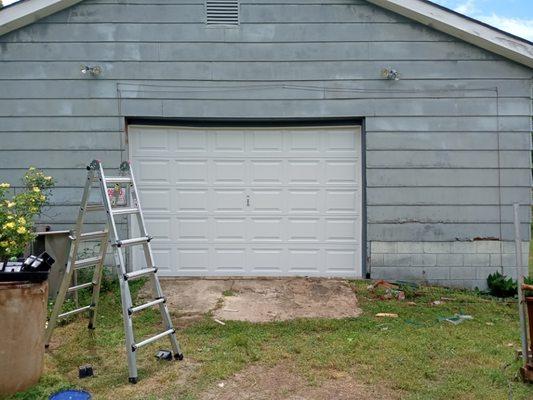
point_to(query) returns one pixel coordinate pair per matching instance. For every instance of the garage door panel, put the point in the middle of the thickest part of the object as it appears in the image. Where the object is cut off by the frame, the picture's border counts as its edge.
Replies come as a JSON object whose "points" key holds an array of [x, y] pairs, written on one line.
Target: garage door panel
{"points": [[228, 200], [229, 172], [253, 202], [270, 201], [266, 172], [191, 142], [229, 142], [156, 200], [304, 201], [305, 261], [261, 144], [266, 261], [341, 230], [265, 229], [230, 229], [304, 143], [341, 201], [191, 172], [193, 260], [153, 171], [192, 229], [192, 200], [229, 260], [306, 172], [160, 227], [303, 229]]}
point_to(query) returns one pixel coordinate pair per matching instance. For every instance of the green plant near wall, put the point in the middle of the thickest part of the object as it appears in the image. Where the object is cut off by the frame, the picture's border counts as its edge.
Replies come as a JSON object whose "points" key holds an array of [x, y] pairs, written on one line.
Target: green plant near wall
{"points": [[18, 211]]}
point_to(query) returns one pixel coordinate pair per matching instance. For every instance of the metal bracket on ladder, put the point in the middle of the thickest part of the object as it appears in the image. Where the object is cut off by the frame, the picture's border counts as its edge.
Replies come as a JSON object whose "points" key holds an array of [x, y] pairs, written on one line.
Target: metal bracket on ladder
{"points": [[110, 234]]}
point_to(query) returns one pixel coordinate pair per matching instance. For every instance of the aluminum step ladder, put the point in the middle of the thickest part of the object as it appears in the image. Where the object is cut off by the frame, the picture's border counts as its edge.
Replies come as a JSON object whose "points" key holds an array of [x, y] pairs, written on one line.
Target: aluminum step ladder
{"points": [[110, 234]]}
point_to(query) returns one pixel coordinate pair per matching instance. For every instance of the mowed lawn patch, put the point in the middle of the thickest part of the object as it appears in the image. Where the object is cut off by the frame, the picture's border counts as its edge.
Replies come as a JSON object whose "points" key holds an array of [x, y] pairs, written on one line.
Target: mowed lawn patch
{"points": [[416, 356]]}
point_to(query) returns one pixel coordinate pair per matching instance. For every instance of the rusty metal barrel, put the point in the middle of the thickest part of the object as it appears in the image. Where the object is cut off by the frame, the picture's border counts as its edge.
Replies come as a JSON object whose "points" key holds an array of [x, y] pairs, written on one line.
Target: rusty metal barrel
{"points": [[23, 308]]}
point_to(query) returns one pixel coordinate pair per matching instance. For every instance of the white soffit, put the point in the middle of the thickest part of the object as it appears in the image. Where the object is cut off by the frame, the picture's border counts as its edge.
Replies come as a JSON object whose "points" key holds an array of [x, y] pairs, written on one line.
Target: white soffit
{"points": [[27, 12], [462, 27]]}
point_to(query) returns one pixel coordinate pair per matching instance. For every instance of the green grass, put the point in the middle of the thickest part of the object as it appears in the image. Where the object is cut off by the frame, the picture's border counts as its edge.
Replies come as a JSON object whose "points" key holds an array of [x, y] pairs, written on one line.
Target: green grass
{"points": [[415, 354]]}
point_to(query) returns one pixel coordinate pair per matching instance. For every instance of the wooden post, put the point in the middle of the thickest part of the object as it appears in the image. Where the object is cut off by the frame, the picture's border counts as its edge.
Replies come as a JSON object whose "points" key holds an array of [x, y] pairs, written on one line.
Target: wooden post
{"points": [[521, 298]]}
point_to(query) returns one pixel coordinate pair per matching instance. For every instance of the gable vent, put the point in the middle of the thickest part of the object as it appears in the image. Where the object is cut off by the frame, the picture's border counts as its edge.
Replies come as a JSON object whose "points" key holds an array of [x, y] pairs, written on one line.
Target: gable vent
{"points": [[222, 12]]}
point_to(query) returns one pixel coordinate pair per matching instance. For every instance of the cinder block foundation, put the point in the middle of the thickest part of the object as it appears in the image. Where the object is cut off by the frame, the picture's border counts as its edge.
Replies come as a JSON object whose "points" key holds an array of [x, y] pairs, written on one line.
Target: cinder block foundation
{"points": [[456, 264]]}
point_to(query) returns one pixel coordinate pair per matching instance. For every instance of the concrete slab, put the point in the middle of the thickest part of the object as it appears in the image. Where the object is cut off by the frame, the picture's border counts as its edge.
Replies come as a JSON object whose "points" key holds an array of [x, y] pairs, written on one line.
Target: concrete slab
{"points": [[261, 300]]}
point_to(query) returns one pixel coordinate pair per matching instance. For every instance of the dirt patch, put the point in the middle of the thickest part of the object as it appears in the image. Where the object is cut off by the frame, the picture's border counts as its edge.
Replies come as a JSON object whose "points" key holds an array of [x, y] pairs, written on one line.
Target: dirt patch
{"points": [[258, 300], [283, 382], [284, 299]]}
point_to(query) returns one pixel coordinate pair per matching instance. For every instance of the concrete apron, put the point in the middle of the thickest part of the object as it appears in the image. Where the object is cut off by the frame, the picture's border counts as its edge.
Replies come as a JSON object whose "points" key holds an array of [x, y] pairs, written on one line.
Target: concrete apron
{"points": [[260, 299]]}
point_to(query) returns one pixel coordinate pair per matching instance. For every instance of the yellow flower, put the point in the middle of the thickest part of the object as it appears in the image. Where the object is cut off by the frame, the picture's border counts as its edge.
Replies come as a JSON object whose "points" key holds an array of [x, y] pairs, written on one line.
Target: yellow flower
{"points": [[21, 230], [33, 209], [4, 185], [22, 220], [36, 189], [10, 217], [9, 225], [4, 244], [10, 204], [43, 197], [32, 168], [48, 178]]}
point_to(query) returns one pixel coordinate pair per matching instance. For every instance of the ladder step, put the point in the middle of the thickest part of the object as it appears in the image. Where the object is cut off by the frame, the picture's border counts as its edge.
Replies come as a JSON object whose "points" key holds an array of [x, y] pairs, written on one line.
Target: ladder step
{"points": [[124, 210], [94, 207], [153, 339], [93, 235], [79, 287], [118, 179], [76, 311], [87, 262], [132, 310], [139, 273], [133, 241]]}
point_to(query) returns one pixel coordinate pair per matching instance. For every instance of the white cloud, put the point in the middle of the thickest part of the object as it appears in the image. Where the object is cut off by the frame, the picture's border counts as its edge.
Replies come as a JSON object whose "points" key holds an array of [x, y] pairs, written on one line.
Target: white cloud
{"points": [[516, 26], [468, 7]]}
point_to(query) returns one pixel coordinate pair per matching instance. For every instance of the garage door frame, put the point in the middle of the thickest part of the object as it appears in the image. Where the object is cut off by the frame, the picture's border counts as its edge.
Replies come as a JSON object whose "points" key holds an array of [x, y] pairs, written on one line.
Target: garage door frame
{"points": [[227, 123]]}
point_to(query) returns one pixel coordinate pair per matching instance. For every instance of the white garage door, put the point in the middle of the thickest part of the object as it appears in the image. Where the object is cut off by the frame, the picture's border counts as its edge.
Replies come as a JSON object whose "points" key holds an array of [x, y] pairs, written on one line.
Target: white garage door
{"points": [[251, 201]]}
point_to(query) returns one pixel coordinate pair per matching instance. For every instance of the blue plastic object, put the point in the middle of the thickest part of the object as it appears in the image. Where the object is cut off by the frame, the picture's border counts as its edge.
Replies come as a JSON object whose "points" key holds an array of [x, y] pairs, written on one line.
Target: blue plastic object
{"points": [[71, 395]]}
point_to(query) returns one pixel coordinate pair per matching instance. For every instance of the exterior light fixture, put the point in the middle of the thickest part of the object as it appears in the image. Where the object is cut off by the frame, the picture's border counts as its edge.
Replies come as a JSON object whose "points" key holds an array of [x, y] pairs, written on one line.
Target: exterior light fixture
{"points": [[390, 74], [93, 71]]}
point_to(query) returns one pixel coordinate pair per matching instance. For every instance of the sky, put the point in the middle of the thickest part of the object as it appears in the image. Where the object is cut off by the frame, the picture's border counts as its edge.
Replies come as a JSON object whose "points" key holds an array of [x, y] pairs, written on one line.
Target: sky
{"points": [[514, 16]]}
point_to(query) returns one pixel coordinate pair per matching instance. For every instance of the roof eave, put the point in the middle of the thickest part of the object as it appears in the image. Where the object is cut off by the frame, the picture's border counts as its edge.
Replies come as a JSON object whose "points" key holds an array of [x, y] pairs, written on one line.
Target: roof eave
{"points": [[462, 27], [26, 12]]}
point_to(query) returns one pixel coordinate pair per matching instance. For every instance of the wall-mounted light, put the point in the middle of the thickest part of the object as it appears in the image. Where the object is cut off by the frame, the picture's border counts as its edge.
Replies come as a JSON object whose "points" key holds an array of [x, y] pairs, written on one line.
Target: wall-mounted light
{"points": [[390, 74], [93, 71]]}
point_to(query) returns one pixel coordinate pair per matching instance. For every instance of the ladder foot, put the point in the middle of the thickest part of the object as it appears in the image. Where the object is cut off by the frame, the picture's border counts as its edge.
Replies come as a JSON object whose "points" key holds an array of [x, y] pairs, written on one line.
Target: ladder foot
{"points": [[91, 326], [132, 380], [178, 356]]}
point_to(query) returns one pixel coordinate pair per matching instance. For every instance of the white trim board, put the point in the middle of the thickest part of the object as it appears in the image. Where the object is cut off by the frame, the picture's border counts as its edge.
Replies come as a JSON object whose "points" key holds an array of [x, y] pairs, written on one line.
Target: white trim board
{"points": [[509, 46], [464, 28]]}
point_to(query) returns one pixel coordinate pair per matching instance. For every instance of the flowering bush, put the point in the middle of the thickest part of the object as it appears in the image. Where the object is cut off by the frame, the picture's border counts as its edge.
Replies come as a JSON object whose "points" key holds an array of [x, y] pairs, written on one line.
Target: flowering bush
{"points": [[18, 211]]}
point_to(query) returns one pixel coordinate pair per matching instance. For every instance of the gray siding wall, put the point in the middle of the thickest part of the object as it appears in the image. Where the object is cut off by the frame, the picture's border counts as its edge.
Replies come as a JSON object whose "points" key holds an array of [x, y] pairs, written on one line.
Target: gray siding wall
{"points": [[447, 145]]}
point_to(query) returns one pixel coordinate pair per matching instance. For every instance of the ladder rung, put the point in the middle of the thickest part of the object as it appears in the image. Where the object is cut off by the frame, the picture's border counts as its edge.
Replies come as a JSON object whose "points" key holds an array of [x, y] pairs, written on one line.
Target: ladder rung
{"points": [[94, 207], [133, 241], [93, 235], [76, 311], [132, 310], [118, 179], [153, 339], [139, 273], [124, 210], [79, 287], [87, 262]]}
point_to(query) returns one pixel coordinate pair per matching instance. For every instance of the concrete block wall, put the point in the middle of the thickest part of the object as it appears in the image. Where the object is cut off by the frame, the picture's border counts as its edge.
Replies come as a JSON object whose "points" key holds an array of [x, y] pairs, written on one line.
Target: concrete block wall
{"points": [[457, 264]]}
